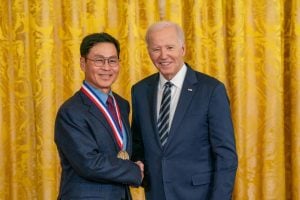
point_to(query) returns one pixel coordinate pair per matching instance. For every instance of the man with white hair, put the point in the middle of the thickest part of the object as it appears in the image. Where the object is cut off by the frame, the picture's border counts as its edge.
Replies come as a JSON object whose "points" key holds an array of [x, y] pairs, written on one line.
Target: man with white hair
{"points": [[181, 125]]}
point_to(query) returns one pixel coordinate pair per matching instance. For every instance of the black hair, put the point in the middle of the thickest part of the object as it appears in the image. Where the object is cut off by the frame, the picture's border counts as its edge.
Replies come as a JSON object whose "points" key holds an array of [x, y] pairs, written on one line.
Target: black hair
{"points": [[91, 40]]}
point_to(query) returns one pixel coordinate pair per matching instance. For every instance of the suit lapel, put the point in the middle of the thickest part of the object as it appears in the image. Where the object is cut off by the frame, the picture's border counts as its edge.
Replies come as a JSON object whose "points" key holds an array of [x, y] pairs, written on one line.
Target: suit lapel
{"points": [[92, 108], [152, 97], [187, 92]]}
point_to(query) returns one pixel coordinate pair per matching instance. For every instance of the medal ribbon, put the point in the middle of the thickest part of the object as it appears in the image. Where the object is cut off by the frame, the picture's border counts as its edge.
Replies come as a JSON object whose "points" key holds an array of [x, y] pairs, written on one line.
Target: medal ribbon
{"points": [[117, 133]]}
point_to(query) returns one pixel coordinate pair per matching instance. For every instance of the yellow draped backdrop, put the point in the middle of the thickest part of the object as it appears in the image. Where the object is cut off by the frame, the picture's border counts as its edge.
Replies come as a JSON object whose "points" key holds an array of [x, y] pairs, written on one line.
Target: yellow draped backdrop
{"points": [[253, 46]]}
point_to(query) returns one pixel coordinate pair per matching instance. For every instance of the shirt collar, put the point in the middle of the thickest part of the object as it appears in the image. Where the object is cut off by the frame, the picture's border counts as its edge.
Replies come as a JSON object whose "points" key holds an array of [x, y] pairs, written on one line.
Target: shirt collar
{"points": [[102, 96], [177, 80]]}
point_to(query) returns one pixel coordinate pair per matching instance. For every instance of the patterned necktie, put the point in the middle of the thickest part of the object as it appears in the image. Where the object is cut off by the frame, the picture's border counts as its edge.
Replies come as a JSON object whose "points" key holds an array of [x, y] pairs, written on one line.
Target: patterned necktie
{"points": [[164, 114], [112, 110]]}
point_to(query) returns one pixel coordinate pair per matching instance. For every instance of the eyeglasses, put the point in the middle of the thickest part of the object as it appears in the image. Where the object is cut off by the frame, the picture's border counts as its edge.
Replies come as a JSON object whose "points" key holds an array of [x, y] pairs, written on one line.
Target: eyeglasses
{"points": [[99, 62]]}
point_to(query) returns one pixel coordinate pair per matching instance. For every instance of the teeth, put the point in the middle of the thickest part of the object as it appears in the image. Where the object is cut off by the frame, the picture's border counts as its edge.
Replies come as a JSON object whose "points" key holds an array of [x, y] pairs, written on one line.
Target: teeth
{"points": [[164, 63], [105, 75]]}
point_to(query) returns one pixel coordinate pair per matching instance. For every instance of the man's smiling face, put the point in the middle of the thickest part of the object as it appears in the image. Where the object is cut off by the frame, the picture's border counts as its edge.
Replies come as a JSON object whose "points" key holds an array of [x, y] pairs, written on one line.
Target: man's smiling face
{"points": [[101, 76]]}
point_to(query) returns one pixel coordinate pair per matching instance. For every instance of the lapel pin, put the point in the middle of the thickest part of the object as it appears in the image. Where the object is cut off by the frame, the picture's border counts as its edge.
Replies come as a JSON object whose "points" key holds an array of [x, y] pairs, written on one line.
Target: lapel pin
{"points": [[190, 89]]}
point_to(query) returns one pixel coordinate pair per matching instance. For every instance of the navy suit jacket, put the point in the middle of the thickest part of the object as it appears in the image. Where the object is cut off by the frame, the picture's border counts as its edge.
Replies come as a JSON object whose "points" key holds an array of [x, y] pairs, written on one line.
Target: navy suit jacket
{"points": [[88, 152], [199, 160]]}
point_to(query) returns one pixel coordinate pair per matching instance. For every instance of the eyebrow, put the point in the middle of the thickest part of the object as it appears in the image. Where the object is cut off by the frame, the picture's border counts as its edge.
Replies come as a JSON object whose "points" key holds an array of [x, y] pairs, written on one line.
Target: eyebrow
{"points": [[101, 56]]}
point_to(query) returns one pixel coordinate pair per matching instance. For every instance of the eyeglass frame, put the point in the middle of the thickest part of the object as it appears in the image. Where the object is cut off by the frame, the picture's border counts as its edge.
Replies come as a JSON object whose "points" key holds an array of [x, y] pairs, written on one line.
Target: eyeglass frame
{"points": [[101, 61]]}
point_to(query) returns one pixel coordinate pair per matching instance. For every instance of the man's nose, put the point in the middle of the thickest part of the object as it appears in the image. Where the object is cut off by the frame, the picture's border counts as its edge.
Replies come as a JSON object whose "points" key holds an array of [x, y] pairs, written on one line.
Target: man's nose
{"points": [[106, 65], [163, 53]]}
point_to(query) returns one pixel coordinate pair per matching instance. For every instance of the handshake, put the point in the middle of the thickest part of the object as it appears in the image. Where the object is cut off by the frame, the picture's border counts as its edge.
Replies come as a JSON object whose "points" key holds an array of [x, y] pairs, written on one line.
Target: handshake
{"points": [[141, 166]]}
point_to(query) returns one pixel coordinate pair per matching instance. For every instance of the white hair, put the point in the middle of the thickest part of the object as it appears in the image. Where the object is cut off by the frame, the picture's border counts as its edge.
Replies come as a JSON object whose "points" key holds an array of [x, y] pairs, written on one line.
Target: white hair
{"points": [[163, 24]]}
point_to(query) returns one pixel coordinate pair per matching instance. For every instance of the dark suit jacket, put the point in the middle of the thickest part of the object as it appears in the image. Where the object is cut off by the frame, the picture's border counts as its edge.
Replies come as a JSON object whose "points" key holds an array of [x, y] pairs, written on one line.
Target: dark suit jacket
{"points": [[199, 160], [88, 152]]}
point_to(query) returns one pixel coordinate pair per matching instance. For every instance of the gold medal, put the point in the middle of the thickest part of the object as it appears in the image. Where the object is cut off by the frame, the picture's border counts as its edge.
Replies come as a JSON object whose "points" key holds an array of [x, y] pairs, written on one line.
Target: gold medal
{"points": [[123, 155]]}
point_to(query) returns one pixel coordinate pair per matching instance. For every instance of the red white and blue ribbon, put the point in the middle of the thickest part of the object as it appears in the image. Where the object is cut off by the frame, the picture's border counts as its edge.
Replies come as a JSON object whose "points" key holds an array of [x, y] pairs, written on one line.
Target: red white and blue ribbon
{"points": [[117, 132]]}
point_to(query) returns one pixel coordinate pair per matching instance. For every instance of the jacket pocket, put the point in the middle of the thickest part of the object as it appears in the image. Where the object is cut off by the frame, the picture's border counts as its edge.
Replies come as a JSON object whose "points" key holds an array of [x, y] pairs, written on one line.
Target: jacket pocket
{"points": [[201, 179]]}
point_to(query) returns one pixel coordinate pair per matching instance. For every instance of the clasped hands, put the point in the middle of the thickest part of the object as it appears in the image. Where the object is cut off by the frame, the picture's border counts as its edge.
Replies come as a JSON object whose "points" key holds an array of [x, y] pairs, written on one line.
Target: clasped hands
{"points": [[141, 166]]}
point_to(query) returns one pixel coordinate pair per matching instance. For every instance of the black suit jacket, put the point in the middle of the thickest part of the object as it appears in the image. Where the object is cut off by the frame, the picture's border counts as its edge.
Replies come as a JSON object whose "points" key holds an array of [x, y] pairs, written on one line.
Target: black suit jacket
{"points": [[88, 152]]}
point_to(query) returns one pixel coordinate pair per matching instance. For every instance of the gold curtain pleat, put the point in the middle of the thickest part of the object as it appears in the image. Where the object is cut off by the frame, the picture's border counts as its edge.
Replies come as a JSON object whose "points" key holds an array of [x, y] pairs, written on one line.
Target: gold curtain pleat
{"points": [[252, 46]]}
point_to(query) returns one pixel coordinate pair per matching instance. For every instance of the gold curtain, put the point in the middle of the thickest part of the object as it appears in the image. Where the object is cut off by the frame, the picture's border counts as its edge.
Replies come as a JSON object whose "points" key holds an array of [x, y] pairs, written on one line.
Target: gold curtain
{"points": [[252, 46]]}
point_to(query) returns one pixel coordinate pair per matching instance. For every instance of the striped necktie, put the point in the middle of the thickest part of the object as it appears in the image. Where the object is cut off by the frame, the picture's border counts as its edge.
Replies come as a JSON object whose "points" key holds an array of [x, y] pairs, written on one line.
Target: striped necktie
{"points": [[164, 114]]}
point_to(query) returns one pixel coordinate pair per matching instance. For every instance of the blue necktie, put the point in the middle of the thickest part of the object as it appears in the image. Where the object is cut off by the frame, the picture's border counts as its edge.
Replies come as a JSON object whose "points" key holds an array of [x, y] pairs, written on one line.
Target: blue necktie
{"points": [[164, 114]]}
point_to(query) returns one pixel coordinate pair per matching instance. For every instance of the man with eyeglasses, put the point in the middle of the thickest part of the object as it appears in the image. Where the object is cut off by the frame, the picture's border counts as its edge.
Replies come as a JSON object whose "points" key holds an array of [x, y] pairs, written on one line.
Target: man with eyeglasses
{"points": [[92, 130]]}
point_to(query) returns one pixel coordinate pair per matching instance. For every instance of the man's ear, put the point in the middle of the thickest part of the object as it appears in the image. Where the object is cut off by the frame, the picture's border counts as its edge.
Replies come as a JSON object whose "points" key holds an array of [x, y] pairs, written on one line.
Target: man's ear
{"points": [[183, 50], [82, 63]]}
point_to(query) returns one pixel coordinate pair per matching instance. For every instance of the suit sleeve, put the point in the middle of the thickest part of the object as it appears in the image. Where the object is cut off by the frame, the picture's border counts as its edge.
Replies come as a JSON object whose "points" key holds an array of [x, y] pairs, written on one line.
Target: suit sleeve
{"points": [[223, 144], [79, 150], [138, 147]]}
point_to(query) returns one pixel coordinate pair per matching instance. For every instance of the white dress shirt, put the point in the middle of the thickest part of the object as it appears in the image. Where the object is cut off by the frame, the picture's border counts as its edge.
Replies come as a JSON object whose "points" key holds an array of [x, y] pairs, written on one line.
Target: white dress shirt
{"points": [[177, 82]]}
